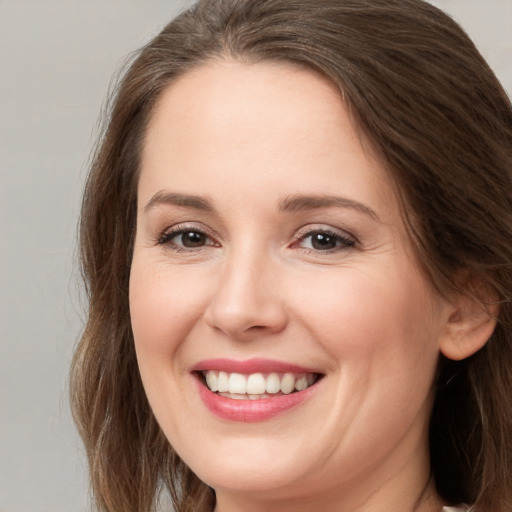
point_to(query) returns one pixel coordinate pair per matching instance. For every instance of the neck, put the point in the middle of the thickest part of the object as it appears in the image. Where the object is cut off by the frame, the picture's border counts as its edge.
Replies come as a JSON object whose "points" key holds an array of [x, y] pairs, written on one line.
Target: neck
{"points": [[399, 480], [403, 484], [423, 499]]}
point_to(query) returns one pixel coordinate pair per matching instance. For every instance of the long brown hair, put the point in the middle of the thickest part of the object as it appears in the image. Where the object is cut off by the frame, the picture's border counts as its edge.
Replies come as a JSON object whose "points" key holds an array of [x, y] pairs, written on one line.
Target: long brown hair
{"points": [[431, 107]]}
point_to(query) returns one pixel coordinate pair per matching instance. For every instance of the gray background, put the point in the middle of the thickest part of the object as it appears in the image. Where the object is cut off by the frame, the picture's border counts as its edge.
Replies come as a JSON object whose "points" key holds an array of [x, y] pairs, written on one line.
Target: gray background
{"points": [[56, 59]]}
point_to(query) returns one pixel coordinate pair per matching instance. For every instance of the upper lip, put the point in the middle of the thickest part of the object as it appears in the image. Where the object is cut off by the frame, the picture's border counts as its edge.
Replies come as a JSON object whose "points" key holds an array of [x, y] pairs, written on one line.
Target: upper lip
{"points": [[249, 366]]}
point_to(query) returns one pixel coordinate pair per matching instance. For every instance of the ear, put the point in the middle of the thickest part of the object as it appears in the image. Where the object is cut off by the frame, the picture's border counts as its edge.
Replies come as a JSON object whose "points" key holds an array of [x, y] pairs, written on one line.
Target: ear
{"points": [[471, 322]]}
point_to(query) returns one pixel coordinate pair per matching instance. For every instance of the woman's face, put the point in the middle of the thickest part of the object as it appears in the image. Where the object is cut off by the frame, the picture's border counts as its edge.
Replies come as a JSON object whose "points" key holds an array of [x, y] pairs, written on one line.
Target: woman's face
{"points": [[270, 256]]}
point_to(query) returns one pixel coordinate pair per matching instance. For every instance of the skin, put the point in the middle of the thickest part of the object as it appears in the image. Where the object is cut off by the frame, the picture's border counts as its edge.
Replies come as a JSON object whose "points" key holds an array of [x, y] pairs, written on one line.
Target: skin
{"points": [[243, 138]]}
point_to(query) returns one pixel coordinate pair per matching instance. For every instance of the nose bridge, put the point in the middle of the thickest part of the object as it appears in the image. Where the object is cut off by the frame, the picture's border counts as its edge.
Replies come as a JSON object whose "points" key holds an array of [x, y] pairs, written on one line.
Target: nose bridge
{"points": [[246, 299]]}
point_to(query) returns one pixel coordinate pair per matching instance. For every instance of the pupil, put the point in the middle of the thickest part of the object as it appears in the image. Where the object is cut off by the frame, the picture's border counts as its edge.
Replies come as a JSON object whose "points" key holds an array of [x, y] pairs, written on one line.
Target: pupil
{"points": [[192, 239], [323, 241]]}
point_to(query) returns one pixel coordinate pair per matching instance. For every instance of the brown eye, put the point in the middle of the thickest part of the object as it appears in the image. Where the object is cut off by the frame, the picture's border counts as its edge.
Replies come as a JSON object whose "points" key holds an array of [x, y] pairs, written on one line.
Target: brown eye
{"points": [[324, 241], [186, 239], [192, 239]]}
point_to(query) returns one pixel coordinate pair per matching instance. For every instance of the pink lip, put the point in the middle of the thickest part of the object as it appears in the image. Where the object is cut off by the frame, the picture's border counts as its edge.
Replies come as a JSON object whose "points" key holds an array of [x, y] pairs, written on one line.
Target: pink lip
{"points": [[250, 411], [250, 366]]}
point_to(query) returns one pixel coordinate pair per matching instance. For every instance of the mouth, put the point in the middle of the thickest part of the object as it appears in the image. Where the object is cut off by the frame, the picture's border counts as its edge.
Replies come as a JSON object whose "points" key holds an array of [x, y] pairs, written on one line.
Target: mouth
{"points": [[256, 386], [253, 390]]}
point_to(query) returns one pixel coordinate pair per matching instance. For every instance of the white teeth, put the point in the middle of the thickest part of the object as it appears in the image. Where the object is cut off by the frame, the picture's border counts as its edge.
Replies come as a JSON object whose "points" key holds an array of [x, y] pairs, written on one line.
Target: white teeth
{"points": [[273, 384], [222, 382], [237, 384], [244, 397], [237, 396], [301, 383], [256, 385], [287, 383], [211, 381]]}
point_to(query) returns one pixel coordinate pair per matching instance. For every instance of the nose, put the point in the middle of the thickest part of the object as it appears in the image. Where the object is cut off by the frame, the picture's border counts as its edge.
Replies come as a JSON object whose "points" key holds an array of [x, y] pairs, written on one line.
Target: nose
{"points": [[248, 301]]}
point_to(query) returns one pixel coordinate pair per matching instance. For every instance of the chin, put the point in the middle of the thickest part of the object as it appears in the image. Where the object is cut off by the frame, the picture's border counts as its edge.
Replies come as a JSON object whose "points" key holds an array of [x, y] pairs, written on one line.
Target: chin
{"points": [[245, 466]]}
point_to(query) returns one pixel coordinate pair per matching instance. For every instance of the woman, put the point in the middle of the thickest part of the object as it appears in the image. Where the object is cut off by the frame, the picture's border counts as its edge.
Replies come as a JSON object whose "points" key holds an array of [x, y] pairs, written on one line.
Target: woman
{"points": [[296, 241]]}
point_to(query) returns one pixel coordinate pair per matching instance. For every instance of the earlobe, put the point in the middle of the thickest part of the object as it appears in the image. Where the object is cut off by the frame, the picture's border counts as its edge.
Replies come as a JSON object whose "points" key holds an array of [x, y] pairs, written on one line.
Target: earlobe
{"points": [[470, 324]]}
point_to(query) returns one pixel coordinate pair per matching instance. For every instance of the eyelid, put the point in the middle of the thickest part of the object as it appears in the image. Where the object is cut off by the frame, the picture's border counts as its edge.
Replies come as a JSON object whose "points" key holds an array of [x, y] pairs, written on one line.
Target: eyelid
{"points": [[343, 240], [164, 236], [323, 228]]}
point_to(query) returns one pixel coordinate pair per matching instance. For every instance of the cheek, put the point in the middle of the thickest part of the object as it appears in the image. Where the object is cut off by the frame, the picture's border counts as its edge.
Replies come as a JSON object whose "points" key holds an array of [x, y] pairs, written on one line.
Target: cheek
{"points": [[164, 306], [385, 322], [381, 332]]}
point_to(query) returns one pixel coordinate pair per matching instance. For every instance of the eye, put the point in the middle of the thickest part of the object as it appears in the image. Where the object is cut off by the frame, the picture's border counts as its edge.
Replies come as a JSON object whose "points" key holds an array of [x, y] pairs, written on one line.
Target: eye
{"points": [[324, 240], [190, 239], [182, 238]]}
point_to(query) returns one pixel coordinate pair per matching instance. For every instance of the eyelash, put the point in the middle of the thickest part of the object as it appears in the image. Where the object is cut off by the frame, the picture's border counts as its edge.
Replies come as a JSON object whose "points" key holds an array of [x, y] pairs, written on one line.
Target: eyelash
{"points": [[345, 242], [168, 235]]}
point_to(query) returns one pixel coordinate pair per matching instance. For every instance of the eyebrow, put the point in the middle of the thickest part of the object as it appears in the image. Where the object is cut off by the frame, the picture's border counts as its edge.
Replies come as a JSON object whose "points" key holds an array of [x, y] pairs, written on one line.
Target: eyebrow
{"points": [[177, 199], [289, 204], [303, 202]]}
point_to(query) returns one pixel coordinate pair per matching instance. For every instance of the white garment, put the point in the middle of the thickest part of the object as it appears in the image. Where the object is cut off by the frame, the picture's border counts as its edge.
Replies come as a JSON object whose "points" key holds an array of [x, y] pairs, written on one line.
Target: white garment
{"points": [[454, 509]]}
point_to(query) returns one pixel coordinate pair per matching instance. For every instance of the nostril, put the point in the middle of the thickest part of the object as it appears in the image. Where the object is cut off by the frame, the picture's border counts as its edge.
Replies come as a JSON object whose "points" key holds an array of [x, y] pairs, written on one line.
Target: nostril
{"points": [[241, 324], [245, 300]]}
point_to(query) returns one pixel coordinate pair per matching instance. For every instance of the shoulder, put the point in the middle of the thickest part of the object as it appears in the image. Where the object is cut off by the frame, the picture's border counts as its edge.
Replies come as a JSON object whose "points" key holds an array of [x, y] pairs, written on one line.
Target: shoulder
{"points": [[462, 508]]}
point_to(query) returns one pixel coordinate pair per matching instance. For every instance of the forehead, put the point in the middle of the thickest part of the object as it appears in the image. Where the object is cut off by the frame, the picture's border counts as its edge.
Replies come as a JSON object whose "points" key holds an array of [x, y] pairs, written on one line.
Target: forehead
{"points": [[267, 123], [230, 95]]}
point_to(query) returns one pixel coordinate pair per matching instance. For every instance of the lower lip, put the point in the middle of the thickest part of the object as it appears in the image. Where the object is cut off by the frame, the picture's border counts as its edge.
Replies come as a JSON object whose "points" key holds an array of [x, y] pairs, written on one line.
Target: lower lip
{"points": [[251, 411]]}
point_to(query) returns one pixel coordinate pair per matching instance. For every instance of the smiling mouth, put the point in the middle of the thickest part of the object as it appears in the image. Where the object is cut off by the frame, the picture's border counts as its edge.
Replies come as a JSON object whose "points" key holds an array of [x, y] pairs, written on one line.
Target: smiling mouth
{"points": [[256, 386]]}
